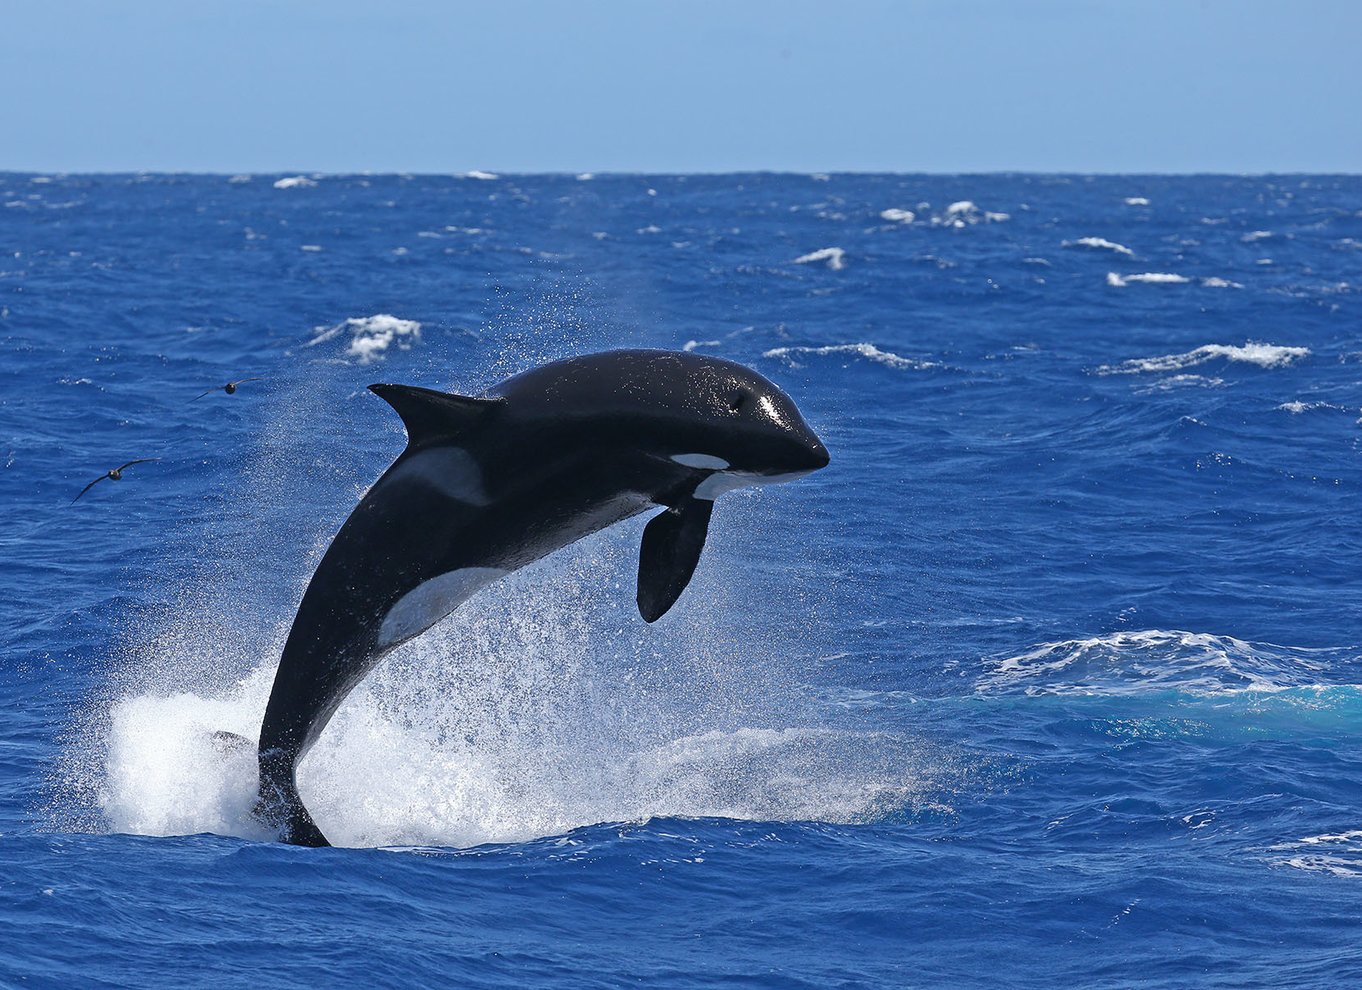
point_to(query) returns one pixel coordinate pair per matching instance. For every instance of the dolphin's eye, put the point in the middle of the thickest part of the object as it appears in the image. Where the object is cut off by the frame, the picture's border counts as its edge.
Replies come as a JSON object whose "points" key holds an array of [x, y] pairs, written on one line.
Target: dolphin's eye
{"points": [[737, 401]]}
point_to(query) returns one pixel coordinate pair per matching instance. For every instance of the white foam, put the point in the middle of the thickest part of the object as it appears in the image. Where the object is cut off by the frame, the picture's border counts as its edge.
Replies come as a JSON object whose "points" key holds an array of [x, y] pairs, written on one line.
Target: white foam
{"points": [[691, 345], [1256, 235], [898, 216], [832, 255], [294, 182], [964, 213], [1136, 201], [1100, 243], [1215, 282], [1151, 278], [484, 176], [1263, 355], [1338, 854], [238, 180], [1297, 407], [1138, 662], [371, 336], [532, 711], [868, 351]]}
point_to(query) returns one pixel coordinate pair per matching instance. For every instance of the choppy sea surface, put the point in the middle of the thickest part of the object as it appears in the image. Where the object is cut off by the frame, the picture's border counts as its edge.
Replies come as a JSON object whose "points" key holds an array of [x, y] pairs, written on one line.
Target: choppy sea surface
{"points": [[1052, 678]]}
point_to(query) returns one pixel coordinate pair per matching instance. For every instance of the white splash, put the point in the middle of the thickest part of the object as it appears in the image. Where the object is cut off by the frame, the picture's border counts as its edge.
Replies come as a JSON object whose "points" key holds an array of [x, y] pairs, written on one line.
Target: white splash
{"points": [[294, 182], [1100, 243], [1252, 352], [832, 255], [371, 336], [532, 711], [868, 351]]}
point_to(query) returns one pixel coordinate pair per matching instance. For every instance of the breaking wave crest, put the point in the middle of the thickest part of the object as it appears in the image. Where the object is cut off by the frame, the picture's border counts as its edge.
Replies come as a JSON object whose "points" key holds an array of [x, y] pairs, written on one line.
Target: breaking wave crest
{"points": [[1139, 662], [1263, 355], [868, 351]]}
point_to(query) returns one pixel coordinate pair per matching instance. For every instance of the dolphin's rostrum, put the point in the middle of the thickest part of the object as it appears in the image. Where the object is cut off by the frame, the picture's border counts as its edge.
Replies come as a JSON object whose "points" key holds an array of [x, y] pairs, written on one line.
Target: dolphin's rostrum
{"points": [[487, 485]]}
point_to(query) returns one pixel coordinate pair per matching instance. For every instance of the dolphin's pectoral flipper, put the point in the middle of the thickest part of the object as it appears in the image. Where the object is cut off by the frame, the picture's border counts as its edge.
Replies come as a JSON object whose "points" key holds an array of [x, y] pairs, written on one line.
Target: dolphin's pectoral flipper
{"points": [[672, 542], [431, 416]]}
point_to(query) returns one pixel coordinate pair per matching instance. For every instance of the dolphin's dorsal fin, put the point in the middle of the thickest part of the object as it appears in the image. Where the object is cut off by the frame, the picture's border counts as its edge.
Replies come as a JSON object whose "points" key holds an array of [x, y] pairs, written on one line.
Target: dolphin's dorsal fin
{"points": [[430, 416], [672, 542]]}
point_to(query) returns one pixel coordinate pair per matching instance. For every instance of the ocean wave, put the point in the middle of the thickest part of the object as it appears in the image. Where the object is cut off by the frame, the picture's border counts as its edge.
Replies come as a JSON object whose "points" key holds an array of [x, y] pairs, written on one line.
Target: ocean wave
{"points": [[1148, 660], [1136, 201], [1098, 243], [371, 336], [832, 255], [1297, 407], [898, 216], [1256, 235], [1337, 854], [1252, 352], [479, 174], [294, 182], [964, 213], [868, 351], [1117, 281]]}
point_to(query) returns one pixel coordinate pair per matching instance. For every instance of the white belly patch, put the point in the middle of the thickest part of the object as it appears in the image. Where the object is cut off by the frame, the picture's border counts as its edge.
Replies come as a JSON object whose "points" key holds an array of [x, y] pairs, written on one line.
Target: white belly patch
{"points": [[428, 603]]}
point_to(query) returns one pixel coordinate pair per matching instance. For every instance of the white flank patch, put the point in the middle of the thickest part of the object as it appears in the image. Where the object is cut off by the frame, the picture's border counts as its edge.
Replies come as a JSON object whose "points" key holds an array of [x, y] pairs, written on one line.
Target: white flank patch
{"points": [[700, 461], [452, 471], [427, 604]]}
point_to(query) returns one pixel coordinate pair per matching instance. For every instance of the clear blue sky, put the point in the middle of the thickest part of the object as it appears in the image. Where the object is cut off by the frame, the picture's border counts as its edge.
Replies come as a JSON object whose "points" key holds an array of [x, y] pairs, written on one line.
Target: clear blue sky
{"points": [[700, 85]]}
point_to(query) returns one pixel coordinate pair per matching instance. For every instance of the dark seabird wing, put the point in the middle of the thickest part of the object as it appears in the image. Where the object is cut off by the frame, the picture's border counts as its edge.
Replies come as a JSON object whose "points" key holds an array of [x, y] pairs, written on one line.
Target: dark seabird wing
{"points": [[202, 394], [88, 487], [240, 381], [140, 460]]}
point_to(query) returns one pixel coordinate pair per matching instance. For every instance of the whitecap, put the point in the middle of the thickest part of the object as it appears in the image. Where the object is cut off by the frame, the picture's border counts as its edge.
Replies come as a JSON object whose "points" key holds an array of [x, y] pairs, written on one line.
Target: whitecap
{"points": [[1136, 201], [868, 351], [832, 255], [1252, 352], [1139, 662], [1149, 278], [371, 336], [294, 182], [1256, 235], [1100, 243], [1215, 282], [1297, 407], [965, 213], [238, 180], [898, 216], [691, 345], [1338, 854], [477, 174]]}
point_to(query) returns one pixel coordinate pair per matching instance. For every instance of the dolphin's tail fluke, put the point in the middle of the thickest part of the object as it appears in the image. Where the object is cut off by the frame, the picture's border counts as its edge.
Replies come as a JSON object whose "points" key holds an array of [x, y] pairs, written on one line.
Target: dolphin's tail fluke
{"points": [[280, 807]]}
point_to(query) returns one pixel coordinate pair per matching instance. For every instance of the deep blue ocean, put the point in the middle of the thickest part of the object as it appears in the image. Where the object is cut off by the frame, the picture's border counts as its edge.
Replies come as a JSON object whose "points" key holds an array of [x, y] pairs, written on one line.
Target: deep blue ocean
{"points": [[1052, 679]]}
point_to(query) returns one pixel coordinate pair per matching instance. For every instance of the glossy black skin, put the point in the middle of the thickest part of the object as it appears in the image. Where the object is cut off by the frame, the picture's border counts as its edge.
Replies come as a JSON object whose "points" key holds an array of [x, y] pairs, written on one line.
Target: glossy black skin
{"points": [[568, 449]]}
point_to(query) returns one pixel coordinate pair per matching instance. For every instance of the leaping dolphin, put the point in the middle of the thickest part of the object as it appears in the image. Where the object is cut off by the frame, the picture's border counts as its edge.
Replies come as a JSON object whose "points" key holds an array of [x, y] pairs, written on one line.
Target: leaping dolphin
{"points": [[487, 485]]}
